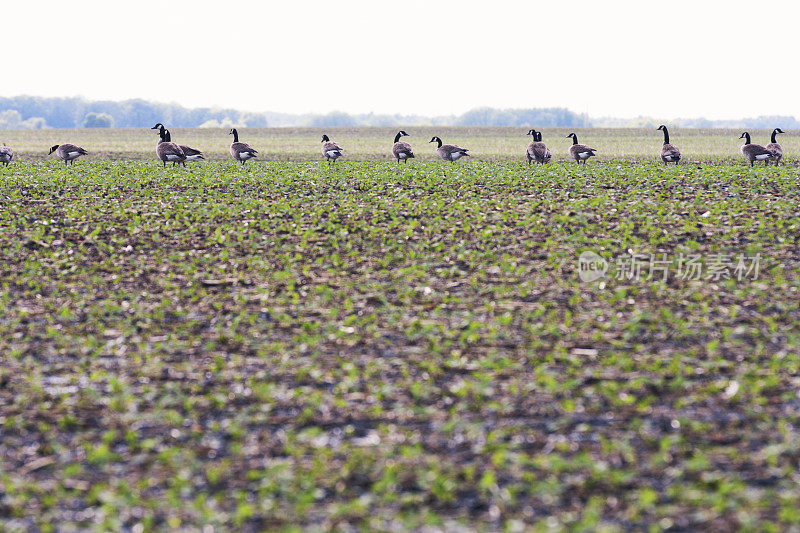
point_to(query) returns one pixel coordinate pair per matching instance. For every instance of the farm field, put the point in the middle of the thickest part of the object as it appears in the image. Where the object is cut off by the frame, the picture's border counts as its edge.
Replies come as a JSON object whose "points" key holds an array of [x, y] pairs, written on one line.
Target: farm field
{"points": [[285, 345], [360, 144]]}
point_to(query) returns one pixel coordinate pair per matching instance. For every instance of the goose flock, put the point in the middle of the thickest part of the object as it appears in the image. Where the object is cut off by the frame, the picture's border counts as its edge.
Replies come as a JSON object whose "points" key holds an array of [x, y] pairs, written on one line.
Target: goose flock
{"points": [[536, 152]]}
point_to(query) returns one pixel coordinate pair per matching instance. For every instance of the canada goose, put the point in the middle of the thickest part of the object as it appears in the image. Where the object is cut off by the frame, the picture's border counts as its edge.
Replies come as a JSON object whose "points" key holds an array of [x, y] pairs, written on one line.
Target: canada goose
{"points": [[580, 152], [190, 153], [68, 152], [448, 152], [669, 153], [241, 151], [754, 152], [537, 151], [330, 150], [166, 150], [774, 148], [402, 150], [6, 154]]}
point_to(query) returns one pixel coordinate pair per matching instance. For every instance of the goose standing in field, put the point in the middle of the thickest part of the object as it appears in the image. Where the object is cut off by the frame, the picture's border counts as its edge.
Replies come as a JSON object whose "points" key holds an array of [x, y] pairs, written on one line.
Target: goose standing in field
{"points": [[190, 153], [669, 153], [402, 150], [6, 154], [580, 152], [537, 151], [330, 150], [448, 152], [166, 150], [68, 152], [774, 148], [239, 150], [754, 152]]}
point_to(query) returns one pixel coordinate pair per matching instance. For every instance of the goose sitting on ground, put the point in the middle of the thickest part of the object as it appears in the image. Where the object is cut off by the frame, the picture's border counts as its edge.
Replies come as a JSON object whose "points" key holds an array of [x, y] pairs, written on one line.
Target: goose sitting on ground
{"points": [[190, 153], [330, 150], [754, 152], [6, 154], [68, 152], [669, 153], [774, 148], [239, 150], [449, 152], [401, 150], [579, 152], [537, 151]]}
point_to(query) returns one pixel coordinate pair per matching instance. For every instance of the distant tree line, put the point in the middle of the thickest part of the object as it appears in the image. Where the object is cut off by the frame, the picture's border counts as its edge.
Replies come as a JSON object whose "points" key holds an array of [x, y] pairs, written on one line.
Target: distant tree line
{"points": [[31, 112], [766, 122]]}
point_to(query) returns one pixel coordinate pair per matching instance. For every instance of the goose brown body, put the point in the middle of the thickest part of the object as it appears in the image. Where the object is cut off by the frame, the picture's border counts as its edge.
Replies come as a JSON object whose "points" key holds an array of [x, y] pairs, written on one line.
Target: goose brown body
{"points": [[241, 151], [6, 154], [537, 150], [401, 150], [580, 152], [449, 152], [330, 150], [68, 152], [168, 151], [774, 148], [754, 152], [669, 153]]}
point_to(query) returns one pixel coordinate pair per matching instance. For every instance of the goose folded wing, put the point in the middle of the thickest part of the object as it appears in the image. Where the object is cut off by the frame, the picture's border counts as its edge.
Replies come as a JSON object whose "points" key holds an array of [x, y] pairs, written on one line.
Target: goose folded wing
{"points": [[188, 151], [402, 148], [757, 150], [669, 150], [244, 148]]}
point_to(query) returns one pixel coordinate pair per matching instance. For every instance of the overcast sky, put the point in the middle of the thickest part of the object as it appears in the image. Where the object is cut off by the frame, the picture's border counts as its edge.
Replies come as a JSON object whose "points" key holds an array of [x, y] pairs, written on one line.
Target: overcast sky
{"points": [[717, 59]]}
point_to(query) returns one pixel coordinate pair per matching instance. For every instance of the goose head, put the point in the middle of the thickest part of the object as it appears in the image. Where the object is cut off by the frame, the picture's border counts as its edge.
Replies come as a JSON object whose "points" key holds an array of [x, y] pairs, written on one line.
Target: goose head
{"points": [[53, 149], [325, 139]]}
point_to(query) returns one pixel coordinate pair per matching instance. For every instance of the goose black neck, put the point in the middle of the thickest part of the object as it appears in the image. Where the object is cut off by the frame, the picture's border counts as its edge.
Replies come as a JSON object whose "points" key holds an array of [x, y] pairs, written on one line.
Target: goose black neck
{"points": [[167, 136], [773, 136], [666, 136], [746, 138], [162, 133], [397, 137], [574, 139], [438, 142], [538, 136], [235, 136]]}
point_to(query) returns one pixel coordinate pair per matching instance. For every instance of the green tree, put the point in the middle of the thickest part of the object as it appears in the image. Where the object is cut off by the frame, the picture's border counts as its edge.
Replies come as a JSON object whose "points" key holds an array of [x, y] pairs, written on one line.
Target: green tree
{"points": [[98, 120]]}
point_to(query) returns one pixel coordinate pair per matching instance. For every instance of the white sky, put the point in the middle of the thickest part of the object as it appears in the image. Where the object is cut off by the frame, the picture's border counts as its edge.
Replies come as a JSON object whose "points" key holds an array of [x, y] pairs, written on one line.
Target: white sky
{"points": [[712, 58]]}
